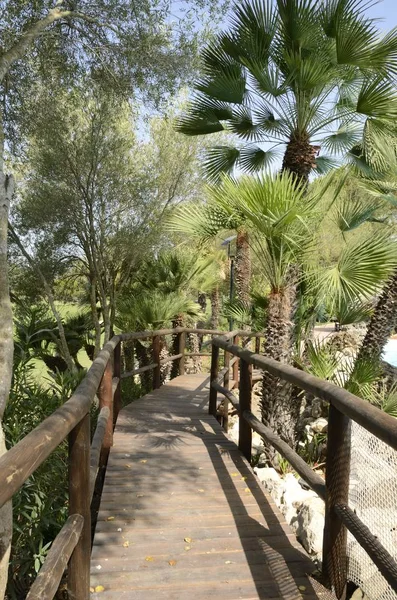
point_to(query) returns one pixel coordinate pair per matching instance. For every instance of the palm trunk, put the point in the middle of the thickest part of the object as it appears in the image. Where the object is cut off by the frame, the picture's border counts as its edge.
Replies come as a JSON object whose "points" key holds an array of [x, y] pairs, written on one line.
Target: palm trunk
{"points": [[177, 322], [382, 323], [242, 268], [300, 158], [215, 308], [280, 408]]}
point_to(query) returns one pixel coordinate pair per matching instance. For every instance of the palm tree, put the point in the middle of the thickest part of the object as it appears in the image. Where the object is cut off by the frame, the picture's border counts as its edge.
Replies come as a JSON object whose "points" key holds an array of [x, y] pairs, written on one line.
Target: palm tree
{"points": [[282, 224], [205, 223], [140, 311], [375, 165], [305, 75]]}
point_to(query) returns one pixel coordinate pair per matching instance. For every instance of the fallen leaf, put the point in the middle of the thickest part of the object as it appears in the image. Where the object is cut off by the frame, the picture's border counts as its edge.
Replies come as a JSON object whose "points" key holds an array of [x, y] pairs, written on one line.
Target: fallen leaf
{"points": [[228, 562], [247, 490], [127, 466], [302, 588], [187, 547], [92, 590], [172, 563], [244, 478], [201, 490], [99, 588], [110, 519], [234, 474], [144, 461], [126, 544], [149, 558], [140, 495], [187, 540]]}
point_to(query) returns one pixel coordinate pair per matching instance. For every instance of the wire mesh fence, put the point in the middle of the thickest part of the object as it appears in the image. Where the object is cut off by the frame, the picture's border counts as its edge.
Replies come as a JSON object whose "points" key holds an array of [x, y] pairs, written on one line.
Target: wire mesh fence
{"points": [[372, 495]]}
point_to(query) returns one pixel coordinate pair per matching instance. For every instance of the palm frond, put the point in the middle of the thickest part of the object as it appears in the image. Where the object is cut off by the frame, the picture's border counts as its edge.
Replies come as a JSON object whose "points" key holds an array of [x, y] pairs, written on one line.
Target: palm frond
{"points": [[350, 214], [362, 267], [253, 159], [220, 159]]}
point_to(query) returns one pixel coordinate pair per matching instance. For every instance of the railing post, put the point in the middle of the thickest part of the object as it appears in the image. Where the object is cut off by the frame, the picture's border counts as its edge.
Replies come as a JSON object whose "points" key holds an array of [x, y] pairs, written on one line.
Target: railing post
{"points": [[181, 337], [105, 394], [226, 384], [79, 503], [235, 366], [156, 359], [257, 345], [214, 374], [245, 389], [337, 475], [117, 374]]}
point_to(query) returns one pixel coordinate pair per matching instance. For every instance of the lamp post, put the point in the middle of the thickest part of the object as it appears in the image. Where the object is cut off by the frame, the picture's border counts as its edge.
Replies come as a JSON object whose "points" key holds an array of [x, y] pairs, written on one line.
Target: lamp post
{"points": [[227, 242]]}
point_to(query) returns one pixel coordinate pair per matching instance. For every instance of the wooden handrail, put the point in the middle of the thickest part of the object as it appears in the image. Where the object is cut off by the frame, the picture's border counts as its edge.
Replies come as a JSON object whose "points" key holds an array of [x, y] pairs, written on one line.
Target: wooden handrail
{"points": [[335, 490], [103, 380], [380, 424], [50, 575]]}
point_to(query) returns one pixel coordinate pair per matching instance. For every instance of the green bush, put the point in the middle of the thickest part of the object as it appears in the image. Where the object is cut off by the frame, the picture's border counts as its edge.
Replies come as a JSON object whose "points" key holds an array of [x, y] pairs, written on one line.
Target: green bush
{"points": [[40, 507]]}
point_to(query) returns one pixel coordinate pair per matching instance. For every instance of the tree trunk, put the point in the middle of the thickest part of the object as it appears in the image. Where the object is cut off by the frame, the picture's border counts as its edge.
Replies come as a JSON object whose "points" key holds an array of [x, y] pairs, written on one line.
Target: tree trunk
{"points": [[300, 158], [194, 346], [178, 322], [280, 408], [243, 267], [94, 314], [382, 323], [64, 348], [215, 308], [6, 351]]}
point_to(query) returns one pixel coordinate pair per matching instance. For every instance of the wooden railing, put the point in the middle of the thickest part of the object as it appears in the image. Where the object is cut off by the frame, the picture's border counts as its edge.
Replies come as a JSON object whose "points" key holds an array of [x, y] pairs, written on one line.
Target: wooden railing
{"points": [[344, 407], [72, 546]]}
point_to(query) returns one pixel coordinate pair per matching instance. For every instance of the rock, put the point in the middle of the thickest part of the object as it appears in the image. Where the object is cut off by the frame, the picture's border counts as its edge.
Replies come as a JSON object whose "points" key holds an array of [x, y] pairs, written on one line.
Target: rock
{"points": [[271, 481], [320, 425], [309, 525], [293, 497]]}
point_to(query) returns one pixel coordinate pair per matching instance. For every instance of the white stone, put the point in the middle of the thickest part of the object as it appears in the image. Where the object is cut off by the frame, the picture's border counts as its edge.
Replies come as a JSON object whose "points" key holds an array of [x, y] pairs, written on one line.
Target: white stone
{"points": [[310, 525], [272, 482], [319, 425]]}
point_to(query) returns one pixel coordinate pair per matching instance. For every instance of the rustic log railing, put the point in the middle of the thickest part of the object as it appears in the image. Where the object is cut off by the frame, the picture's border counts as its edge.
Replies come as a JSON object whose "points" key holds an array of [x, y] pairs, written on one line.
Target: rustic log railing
{"points": [[344, 407], [72, 546]]}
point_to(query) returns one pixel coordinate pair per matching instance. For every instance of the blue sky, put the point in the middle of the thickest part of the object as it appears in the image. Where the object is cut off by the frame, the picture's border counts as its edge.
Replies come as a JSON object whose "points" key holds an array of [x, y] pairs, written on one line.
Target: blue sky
{"points": [[387, 11]]}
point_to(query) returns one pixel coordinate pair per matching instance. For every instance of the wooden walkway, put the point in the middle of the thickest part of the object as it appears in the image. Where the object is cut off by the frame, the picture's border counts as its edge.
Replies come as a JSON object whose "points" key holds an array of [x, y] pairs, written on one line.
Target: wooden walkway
{"points": [[182, 515]]}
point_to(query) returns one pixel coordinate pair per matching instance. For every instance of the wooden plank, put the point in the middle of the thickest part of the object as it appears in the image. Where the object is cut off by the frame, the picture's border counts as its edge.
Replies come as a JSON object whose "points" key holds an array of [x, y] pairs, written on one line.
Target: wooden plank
{"points": [[177, 489]]}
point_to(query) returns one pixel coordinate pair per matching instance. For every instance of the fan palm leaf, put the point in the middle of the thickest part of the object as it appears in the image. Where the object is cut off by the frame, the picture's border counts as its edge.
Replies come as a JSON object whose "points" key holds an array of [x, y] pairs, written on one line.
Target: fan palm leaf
{"points": [[287, 71]]}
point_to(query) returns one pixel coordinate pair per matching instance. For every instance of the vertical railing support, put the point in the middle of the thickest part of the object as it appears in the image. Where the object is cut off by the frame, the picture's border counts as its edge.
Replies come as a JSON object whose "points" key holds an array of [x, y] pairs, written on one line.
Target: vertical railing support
{"points": [[181, 338], [257, 345], [105, 395], [156, 359], [245, 392], [235, 366], [337, 475], [79, 503], [213, 376], [226, 384], [117, 373]]}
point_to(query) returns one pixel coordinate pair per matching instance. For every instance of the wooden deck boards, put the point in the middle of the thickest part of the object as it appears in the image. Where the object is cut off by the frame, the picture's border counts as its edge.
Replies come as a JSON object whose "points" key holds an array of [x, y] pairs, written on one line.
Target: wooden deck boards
{"points": [[182, 514]]}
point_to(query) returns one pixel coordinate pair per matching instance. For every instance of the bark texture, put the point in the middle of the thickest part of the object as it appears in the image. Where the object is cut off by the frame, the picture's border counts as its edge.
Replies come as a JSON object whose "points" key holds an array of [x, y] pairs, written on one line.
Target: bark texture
{"points": [[300, 158], [280, 408], [6, 356], [382, 323], [215, 308], [242, 269], [5, 531]]}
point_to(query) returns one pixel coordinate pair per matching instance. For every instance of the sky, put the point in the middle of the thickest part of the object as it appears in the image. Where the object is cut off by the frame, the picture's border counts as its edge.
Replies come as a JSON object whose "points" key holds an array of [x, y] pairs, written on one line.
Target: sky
{"points": [[387, 11]]}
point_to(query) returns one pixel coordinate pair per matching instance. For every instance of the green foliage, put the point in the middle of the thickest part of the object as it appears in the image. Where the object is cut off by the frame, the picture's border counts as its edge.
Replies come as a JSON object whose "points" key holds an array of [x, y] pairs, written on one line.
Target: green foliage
{"points": [[316, 72], [40, 507]]}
